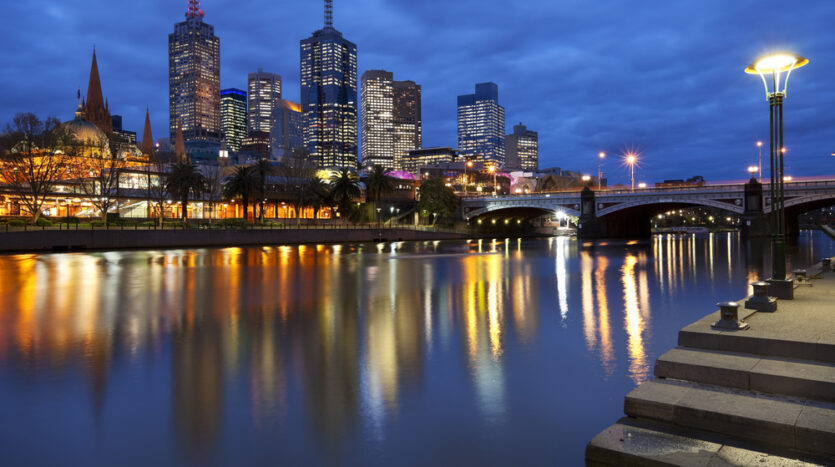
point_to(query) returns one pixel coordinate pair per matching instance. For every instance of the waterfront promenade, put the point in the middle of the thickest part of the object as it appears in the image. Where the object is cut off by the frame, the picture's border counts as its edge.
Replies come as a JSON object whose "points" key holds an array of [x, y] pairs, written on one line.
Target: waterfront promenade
{"points": [[35, 239], [760, 396]]}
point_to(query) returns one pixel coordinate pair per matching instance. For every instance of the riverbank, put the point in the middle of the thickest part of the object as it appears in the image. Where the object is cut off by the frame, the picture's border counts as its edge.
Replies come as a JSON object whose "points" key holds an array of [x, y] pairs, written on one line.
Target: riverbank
{"points": [[765, 394], [101, 239]]}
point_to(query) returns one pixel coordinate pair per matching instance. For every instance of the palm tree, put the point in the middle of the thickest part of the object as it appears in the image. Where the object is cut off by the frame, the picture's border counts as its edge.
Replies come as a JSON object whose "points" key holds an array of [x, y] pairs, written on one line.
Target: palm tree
{"points": [[184, 178], [378, 183], [262, 168], [344, 189], [314, 194], [241, 184]]}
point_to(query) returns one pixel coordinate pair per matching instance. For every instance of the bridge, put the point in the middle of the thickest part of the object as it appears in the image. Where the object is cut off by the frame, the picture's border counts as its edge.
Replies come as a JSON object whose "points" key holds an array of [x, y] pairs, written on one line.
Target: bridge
{"points": [[628, 213]]}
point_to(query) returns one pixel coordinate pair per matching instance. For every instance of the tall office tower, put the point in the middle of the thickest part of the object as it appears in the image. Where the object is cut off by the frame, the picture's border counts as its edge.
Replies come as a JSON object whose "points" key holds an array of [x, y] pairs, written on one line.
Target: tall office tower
{"points": [[408, 128], [194, 78], [233, 117], [264, 94], [128, 137], [377, 116], [286, 135], [522, 148], [328, 68], [390, 114], [481, 125]]}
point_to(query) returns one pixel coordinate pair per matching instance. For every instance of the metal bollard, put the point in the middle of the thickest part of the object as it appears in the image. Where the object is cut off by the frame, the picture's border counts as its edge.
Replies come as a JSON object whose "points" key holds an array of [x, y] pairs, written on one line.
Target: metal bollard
{"points": [[826, 264], [760, 301], [729, 318]]}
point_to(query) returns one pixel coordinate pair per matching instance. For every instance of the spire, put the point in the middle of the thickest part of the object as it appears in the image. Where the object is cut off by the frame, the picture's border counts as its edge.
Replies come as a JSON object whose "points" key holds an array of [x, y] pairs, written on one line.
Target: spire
{"points": [[79, 111], [95, 106], [179, 144], [193, 10], [147, 137], [329, 13]]}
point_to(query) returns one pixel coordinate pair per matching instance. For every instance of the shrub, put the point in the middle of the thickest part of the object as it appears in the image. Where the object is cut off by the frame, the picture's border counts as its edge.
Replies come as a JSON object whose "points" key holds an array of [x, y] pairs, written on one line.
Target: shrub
{"points": [[68, 220], [96, 223], [147, 224], [43, 222], [17, 223]]}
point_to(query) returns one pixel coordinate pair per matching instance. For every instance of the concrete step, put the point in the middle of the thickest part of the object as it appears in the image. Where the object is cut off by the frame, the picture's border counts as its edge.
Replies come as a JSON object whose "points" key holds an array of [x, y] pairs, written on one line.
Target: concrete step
{"points": [[633, 442], [771, 375], [802, 425]]}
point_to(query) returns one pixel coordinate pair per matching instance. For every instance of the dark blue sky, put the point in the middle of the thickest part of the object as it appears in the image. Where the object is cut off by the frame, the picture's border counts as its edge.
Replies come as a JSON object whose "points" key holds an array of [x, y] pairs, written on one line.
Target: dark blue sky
{"points": [[663, 77]]}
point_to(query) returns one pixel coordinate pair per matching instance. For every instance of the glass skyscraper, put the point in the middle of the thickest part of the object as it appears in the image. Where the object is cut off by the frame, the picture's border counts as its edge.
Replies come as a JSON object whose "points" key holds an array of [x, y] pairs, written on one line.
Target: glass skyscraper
{"points": [[264, 95], [286, 135], [522, 148], [328, 69], [194, 78], [391, 122], [233, 117], [481, 125]]}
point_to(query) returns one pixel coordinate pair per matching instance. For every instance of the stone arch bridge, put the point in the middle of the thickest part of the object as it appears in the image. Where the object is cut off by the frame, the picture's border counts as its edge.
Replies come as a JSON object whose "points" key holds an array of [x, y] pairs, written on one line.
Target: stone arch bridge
{"points": [[628, 213]]}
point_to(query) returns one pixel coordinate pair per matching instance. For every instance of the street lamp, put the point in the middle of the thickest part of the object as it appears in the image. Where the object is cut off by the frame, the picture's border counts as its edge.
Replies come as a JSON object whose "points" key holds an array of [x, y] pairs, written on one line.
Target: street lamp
{"points": [[631, 159], [600, 158], [760, 147], [586, 179], [752, 169], [642, 185], [493, 171], [467, 176], [773, 66]]}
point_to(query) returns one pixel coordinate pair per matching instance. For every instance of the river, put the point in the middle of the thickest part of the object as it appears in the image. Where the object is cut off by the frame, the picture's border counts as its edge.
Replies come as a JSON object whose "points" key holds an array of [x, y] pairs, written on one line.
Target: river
{"points": [[505, 352]]}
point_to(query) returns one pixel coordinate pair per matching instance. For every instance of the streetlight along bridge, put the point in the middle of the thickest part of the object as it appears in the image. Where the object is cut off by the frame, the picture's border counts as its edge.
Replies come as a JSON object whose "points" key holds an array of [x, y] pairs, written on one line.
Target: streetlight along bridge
{"points": [[628, 213]]}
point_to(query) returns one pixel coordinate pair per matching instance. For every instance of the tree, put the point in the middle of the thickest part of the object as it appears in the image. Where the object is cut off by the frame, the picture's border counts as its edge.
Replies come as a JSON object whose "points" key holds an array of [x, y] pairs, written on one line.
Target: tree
{"points": [[345, 189], [241, 184], [97, 170], [183, 179], [155, 171], [314, 194], [438, 199], [378, 183], [262, 169], [213, 189], [33, 159]]}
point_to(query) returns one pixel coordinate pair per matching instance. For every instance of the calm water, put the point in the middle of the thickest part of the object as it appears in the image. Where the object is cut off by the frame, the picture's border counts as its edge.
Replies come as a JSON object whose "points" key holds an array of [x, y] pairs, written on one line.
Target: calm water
{"points": [[508, 352]]}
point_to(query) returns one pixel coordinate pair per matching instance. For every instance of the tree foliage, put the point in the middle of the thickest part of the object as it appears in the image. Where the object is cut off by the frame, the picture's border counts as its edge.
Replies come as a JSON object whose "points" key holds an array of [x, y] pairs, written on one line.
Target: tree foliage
{"points": [[378, 183], [344, 190], [184, 179], [437, 198], [241, 184]]}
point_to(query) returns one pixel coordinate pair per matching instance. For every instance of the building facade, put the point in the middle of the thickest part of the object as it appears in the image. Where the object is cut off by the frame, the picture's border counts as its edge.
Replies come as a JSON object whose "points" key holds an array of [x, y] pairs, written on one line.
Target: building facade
{"points": [[233, 117], [194, 78], [391, 119], [264, 93], [426, 157], [286, 134], [328, 69], [481, 125], [522, 149]]}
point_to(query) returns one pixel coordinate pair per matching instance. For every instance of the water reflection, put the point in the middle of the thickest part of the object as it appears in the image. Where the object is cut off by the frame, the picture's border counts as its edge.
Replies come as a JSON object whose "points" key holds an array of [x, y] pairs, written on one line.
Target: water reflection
{"points": [[348, 340]]}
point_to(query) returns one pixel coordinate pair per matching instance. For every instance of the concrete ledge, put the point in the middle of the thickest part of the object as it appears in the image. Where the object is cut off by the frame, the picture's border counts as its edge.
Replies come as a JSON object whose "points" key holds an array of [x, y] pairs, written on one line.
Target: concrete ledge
{"points": [[53, 240]]}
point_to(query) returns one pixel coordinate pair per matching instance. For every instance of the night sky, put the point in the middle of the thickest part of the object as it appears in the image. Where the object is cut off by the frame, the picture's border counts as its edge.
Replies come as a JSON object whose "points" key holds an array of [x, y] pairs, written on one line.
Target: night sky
{"points": [[658, 76]]}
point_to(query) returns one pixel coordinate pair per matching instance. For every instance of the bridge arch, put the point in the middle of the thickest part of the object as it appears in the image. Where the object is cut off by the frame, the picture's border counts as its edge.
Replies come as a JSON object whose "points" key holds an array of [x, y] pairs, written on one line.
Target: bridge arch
{"points": [[735, 207], [532, 209]]}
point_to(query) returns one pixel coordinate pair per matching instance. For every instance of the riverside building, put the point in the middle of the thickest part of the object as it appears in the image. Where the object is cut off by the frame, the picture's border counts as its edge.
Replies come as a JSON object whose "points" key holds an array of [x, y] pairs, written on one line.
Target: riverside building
{"points": [[481, 125], [522, 149]]}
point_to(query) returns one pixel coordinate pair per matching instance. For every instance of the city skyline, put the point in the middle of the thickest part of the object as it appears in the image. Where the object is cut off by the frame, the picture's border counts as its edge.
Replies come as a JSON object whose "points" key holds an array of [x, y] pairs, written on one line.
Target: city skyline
{"points": [[674, 93]]}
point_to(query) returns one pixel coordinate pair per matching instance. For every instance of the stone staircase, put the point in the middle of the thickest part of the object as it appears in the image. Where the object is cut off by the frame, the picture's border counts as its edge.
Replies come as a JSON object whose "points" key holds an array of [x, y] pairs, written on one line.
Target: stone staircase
{"points": [[762, 396]]}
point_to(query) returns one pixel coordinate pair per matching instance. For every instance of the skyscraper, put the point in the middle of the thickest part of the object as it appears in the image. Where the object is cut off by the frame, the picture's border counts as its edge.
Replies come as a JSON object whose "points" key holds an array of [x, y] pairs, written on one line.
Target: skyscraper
{"points": [[264, 94], [194, 78], [481, 124], [286, 134], [328, 69], [391, 122], [408, 127], [522, 147], [233, 117]]}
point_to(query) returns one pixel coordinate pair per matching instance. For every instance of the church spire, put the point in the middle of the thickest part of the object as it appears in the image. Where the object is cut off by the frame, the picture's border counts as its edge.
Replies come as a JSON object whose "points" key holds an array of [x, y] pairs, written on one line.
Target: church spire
{"points": [[147, 137], [94, 105]]}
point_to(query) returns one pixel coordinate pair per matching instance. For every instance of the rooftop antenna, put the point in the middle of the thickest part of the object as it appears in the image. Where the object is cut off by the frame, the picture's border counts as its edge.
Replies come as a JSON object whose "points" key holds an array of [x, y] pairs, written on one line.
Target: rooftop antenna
{"points": [[194, 10], [328, 13]]}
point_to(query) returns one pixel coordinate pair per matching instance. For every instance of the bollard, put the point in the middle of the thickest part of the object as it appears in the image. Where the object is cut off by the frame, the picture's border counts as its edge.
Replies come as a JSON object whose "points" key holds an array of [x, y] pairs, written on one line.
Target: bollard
{"points": [[800, 277], [729, 318], [760, 301], [826, 264]]}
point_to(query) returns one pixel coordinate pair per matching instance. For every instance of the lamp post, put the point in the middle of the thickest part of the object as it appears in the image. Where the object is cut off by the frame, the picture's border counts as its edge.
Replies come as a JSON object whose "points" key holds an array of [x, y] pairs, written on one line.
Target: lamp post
{"points": [[760, 147], [631, 159], [600, 157], [493, 171], [770, 68], [467, 176], [752, 170]]}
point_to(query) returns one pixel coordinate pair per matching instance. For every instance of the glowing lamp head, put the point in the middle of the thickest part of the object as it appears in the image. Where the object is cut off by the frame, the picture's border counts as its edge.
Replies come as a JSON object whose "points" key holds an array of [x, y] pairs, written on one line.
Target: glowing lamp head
{"points": [[602, 155], [759, 144], [630, 159], [752, 169], [586, 178], [642, 185], [469, 163], [492, 168], [776, 63]]}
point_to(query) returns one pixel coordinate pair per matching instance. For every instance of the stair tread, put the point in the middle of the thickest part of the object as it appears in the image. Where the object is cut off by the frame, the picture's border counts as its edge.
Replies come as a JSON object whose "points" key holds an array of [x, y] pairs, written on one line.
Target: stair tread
{"points": [[641, 442]]}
